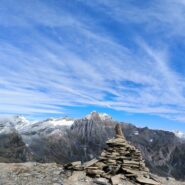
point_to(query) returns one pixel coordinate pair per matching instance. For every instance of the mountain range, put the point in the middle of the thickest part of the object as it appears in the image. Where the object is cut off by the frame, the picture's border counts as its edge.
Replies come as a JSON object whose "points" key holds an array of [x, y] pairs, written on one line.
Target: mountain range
{"points": [[63, 140]]}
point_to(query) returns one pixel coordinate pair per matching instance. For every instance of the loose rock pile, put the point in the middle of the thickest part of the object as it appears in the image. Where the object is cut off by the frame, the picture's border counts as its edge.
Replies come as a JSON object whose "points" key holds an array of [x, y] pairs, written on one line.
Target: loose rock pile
{"points": [[120, 161]]}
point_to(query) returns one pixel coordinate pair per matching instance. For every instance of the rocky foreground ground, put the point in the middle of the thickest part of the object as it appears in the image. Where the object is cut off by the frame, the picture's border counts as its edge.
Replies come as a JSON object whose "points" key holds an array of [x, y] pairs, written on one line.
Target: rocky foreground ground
{"points": [[53, 174]]}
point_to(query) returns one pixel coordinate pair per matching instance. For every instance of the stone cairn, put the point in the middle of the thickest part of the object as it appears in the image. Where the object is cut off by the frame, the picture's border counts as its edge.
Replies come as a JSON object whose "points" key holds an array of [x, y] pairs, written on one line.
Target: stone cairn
{"points": [[119, 161]]}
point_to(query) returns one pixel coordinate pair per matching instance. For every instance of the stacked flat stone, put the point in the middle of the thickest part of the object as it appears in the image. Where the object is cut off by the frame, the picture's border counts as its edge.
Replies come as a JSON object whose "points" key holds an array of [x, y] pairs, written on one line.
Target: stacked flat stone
{"points": [[119, 160], [122, 156]]}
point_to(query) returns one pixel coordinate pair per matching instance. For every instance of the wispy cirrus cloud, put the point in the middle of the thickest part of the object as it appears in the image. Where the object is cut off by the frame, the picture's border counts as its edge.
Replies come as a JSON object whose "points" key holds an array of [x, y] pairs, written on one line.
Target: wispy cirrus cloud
{"points": [[156, 16], [54, 57]]}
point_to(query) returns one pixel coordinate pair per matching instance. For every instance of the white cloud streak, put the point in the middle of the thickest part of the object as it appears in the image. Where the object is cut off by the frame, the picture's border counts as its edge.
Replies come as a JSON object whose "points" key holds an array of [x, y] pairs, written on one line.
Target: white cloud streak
{"points": [[69, 64]]}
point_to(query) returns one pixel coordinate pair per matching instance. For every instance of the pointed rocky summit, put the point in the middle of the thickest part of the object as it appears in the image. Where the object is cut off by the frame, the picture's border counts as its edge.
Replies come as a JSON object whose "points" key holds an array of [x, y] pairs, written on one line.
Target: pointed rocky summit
{"points": [[120, 162]]}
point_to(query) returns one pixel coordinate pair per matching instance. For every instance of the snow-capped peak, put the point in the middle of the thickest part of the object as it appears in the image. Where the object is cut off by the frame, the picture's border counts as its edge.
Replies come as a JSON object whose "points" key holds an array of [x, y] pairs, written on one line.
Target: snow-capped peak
{"points": [[98, 116], [19, 122], [20, 119], [12, 123], [51, 126]]}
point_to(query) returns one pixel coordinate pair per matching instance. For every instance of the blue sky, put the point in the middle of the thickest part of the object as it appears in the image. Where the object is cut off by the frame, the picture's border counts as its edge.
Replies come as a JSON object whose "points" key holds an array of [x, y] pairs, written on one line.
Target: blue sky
{"points": [[69, 57]]}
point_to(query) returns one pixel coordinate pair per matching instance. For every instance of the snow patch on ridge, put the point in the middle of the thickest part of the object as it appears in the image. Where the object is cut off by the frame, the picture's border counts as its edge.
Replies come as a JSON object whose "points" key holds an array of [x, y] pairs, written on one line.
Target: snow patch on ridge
{"points": [[179, 134], [59, 121]]}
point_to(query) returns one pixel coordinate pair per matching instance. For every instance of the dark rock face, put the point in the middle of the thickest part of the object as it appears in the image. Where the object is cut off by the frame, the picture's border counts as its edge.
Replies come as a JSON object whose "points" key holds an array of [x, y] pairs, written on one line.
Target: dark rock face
{"points": [[176, 161], [83, 141], [157, 148], [13, 149]]}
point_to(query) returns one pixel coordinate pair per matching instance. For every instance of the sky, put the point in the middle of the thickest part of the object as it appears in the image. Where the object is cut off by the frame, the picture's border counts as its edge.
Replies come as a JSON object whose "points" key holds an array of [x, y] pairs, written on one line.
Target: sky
{"points": [[70, 57]]}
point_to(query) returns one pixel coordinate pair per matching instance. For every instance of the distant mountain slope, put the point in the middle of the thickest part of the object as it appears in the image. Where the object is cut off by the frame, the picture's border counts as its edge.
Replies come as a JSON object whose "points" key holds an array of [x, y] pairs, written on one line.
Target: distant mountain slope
{"points": [[12, 147], [63, 140]]}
